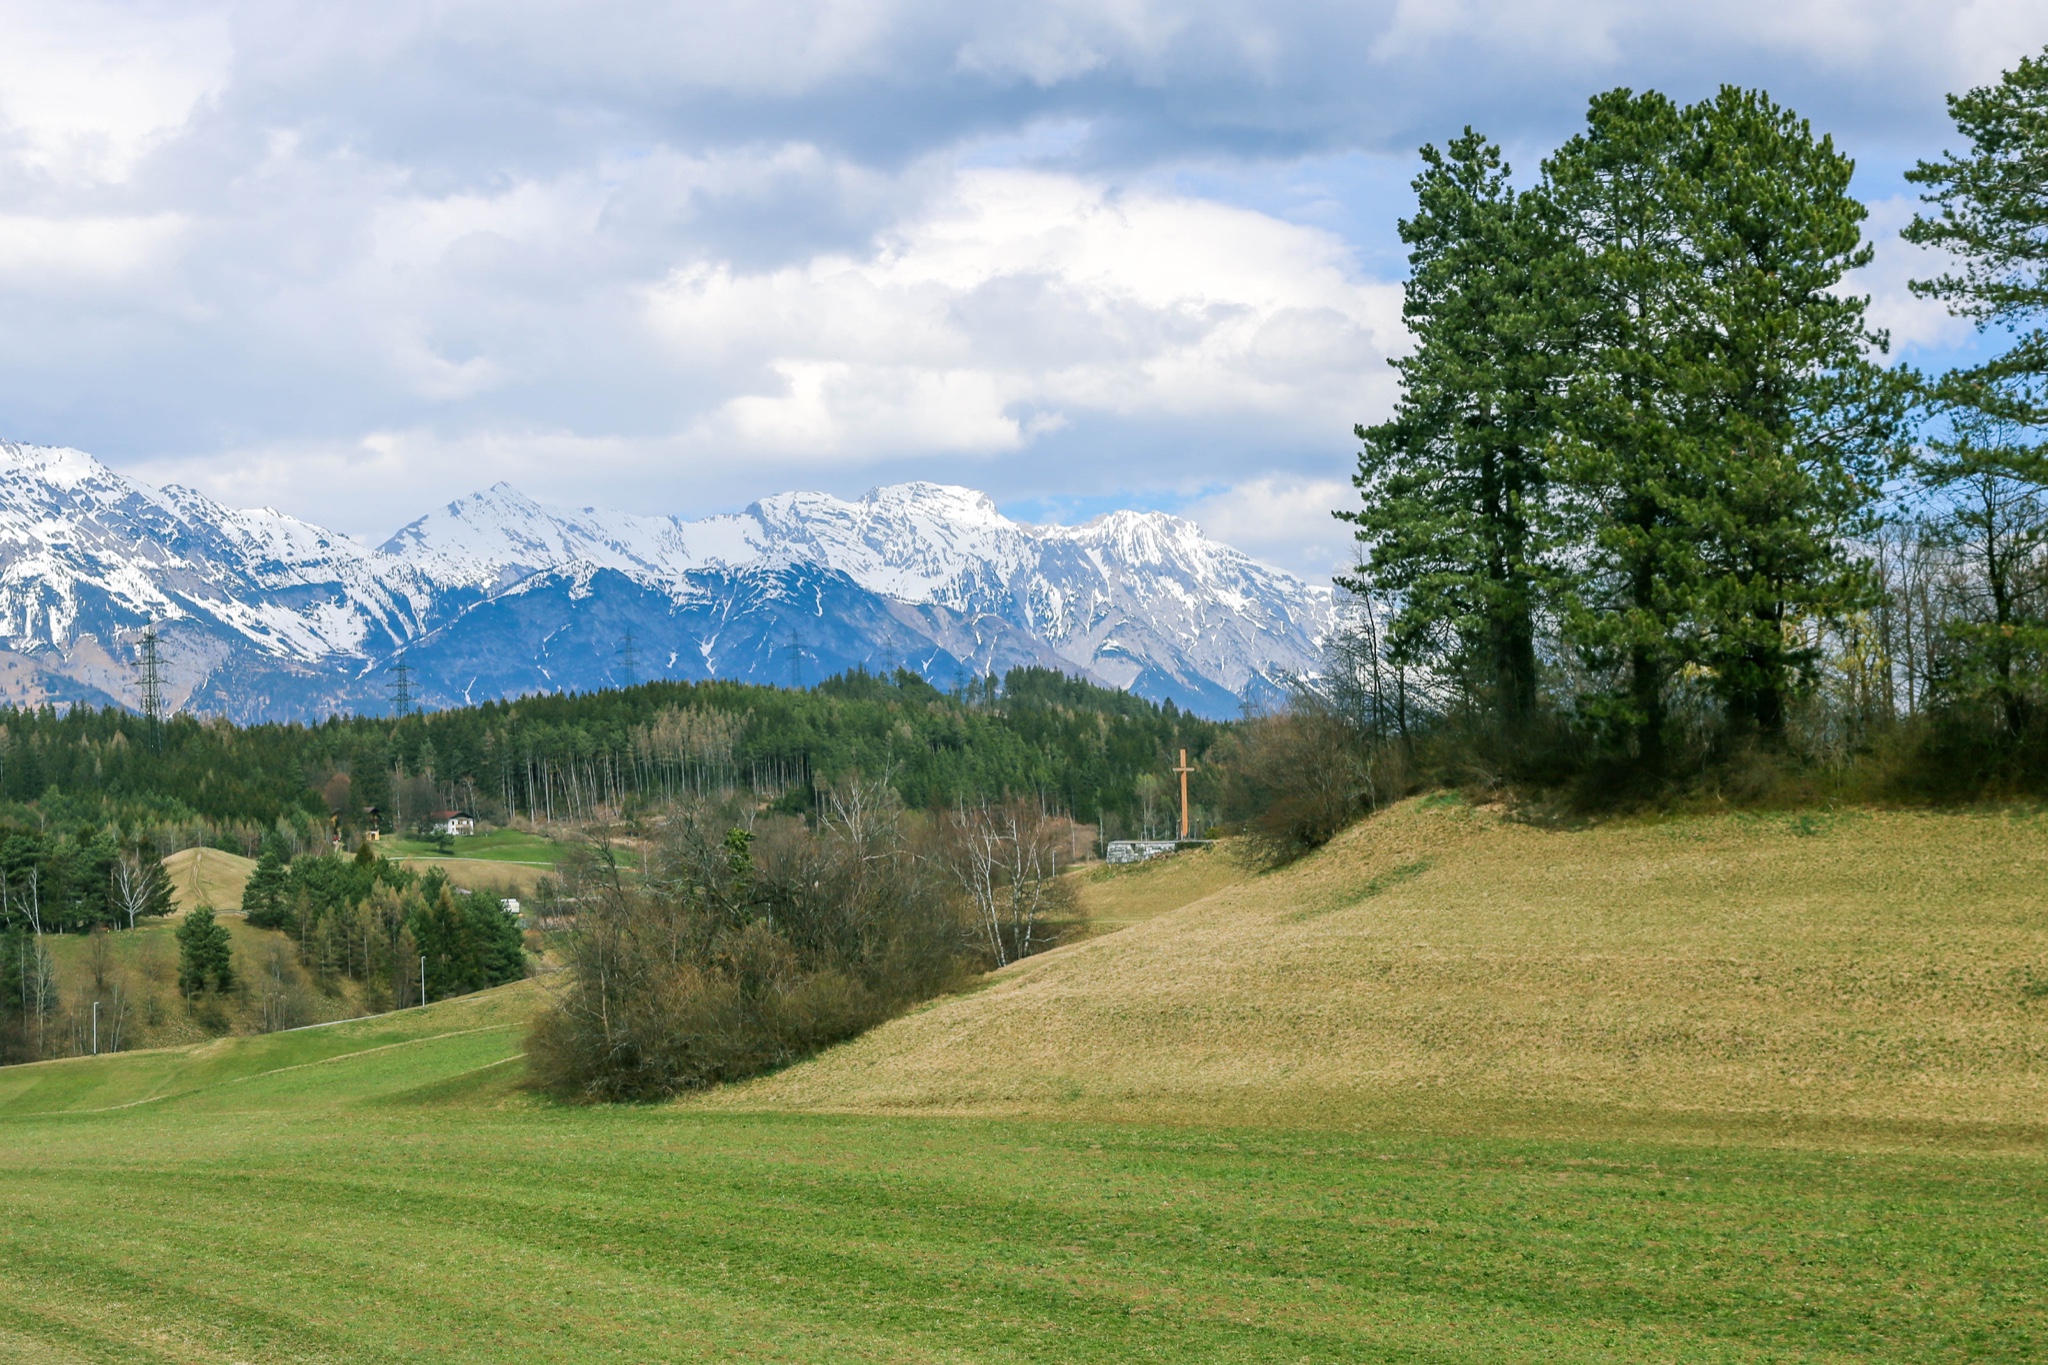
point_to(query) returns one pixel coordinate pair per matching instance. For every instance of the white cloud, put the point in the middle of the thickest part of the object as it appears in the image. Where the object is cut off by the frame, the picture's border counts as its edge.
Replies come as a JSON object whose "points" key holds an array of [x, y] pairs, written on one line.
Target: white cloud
{"points": [[87, 88], [1283, 521], [1025, 299], [1915, 324], [355, 258]]}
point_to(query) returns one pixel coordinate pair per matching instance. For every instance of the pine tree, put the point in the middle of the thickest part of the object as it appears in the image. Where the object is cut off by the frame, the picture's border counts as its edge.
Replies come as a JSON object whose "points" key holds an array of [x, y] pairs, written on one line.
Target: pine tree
{"points": [[1454, 486], [263, 902], [1630, 473], [205, 953], [1993, 219], [1794, 413], [1726, 429]]}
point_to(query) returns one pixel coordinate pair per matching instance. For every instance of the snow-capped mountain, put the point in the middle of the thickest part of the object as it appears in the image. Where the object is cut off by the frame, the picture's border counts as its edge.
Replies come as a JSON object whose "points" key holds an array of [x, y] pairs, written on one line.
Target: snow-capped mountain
{"points": [[1141, 600], [263, 615], [89, 558]]}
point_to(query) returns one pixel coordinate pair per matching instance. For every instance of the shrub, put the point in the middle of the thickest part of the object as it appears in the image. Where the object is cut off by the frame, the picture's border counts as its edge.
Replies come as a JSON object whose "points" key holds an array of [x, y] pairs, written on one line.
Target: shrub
{"points": [[1294, 778], [744, 950]]}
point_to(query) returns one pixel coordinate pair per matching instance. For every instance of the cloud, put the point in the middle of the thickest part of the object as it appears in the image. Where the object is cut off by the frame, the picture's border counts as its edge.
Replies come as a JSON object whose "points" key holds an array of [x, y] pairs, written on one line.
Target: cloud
{"points": [[1024, 299], [88, 89], [352, 259], [1917, 326], [1283, 521]]}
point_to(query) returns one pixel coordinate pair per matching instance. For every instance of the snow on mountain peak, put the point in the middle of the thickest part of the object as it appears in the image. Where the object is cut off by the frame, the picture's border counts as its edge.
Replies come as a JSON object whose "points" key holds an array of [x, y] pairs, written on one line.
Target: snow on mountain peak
{"points": [[919, 570], [58, 466]]}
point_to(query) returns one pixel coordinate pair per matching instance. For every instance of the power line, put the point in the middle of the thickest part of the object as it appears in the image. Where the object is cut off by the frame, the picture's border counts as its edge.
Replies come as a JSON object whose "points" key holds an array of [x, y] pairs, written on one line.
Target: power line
{"points": [[629, 660]]}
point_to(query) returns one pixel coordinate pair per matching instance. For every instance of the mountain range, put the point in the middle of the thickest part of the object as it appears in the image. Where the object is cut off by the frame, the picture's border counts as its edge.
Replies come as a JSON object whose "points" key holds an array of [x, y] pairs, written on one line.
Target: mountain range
{"points": [[262, 616]]}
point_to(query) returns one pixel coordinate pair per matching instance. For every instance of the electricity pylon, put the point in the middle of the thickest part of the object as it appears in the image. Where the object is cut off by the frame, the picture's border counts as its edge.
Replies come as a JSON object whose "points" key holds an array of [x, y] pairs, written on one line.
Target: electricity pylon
{"points": [[152, 684], [401, 688]]}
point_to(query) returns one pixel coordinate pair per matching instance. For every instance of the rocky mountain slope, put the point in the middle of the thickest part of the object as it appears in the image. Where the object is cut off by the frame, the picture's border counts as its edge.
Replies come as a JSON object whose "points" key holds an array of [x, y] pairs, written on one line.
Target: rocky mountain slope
{"points": [[263, 615]]}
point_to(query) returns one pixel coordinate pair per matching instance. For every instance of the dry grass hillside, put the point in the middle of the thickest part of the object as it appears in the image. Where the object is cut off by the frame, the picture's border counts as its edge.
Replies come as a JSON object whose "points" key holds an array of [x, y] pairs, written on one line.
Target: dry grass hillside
{"points": [[1860, 978], [1111, 897], [207, 876]]}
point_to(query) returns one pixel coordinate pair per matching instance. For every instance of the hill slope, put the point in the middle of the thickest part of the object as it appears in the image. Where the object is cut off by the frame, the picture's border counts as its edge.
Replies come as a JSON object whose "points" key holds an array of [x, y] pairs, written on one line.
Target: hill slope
{"points": [[379, 1190], [207, 876], [1863, 975]]}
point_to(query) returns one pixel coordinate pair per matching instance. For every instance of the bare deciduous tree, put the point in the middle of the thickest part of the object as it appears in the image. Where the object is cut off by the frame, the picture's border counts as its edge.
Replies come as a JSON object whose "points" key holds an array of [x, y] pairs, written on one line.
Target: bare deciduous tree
{"points": [[135, 891], [1006, 859]]}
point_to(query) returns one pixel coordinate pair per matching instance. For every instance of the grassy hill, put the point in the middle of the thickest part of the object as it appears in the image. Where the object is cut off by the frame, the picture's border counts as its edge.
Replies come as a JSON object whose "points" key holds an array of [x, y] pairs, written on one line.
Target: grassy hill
{"points": [[207, 876], [1454, 1090], [1862, 976]]}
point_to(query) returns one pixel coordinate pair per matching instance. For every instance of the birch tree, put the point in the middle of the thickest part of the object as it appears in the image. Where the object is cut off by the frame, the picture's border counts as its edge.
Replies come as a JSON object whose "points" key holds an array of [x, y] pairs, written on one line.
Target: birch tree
{"points": [[1006, 860]]}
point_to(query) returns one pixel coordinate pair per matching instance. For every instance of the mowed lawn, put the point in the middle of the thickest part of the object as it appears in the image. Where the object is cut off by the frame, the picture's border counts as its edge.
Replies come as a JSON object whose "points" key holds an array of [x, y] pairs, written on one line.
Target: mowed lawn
{"points": [[380, 1191], [1455, 1090]]}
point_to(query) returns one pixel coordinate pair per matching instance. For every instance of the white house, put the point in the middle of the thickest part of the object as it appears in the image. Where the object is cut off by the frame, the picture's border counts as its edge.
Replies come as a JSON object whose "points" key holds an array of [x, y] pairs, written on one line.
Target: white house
{"points": [[453, 822]]}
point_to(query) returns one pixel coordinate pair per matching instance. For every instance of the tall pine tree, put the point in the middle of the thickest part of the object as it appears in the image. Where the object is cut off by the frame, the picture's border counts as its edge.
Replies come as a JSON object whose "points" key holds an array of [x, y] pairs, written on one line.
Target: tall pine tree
{"points": [[1795, 416], [1726, 429], [1992, 219], [1453, 486], [1631, 475]]}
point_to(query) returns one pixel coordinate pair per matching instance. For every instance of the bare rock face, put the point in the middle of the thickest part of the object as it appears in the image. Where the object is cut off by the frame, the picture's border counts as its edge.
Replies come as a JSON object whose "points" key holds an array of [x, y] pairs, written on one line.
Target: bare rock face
{"points": [[263, 616]]}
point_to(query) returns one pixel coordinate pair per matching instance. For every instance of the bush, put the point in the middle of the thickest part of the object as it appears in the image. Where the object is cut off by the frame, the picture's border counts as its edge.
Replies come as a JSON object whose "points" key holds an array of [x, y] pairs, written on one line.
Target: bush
{"points": [[745, 950], [1295, 778]]}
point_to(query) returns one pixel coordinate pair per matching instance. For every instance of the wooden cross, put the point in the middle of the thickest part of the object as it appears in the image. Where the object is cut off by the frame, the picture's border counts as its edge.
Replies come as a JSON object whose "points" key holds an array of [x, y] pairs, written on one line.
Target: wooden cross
{"points": [[1184, 769]]}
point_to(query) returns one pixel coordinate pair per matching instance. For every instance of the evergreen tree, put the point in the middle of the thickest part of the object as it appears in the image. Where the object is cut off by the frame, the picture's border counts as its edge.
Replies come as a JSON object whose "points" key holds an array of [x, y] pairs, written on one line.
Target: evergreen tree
{"points": [[1726, 429], [1454, 486], [1796, 417], [1993, 219], [204, 953], [1631, 474], [263, 895], [501, 956]]}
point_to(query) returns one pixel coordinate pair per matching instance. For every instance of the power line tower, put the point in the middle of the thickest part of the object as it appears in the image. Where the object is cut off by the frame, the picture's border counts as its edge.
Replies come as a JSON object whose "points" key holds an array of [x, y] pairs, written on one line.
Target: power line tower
{"points": [[629, 660], [796, 658], [401, 688], [152, 683]]}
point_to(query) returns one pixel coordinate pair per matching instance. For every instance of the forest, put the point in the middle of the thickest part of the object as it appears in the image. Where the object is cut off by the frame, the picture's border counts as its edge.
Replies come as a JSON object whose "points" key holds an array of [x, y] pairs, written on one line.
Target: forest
{"points": [[79, 787], [95, 798]]}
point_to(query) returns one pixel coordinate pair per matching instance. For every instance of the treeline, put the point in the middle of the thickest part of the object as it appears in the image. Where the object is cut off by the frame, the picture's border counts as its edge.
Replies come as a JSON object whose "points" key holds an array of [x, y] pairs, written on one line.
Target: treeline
{"points": [[382, 934], [110, 779], [1651, 507]]}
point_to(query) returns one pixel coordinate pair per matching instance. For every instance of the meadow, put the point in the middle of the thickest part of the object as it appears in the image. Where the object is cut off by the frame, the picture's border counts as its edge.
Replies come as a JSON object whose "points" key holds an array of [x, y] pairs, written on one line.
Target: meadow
{"points": [[1767, 1091]]}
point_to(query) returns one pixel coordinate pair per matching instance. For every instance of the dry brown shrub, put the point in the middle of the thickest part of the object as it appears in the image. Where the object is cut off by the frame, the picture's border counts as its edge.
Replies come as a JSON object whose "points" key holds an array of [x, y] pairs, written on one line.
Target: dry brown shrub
{"points": [[743, 951], [1295, 778]]}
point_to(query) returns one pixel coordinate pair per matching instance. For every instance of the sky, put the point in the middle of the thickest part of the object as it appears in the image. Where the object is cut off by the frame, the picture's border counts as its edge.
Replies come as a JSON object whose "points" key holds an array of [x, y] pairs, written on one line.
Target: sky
{"points": [[352, 261]]}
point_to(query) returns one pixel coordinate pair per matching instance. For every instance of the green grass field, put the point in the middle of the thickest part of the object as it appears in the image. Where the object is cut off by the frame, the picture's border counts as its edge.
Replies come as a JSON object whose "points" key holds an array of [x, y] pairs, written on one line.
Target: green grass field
{"points": [[383, 1190], [380, 1192], [500, 846]]}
